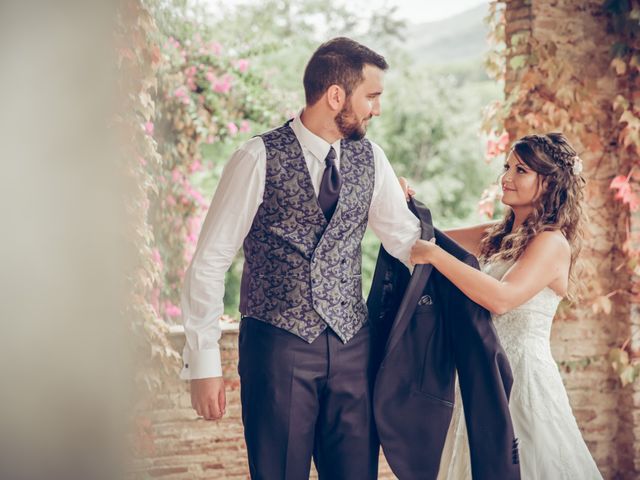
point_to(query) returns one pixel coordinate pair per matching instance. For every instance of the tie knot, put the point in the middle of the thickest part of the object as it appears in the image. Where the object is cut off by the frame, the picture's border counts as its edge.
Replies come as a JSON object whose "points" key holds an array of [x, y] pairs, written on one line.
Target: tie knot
{"points": [[330, 159]]}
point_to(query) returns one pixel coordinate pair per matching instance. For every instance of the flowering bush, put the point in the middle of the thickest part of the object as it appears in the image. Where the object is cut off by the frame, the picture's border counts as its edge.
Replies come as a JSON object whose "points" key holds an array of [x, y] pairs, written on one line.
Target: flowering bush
{"points": [[207, 95], [138, 60]]}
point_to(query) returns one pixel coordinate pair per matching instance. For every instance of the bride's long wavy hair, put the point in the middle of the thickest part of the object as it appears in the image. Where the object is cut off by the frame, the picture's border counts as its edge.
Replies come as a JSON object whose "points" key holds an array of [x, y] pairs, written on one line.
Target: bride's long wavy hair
{"points": [[558, 207]]}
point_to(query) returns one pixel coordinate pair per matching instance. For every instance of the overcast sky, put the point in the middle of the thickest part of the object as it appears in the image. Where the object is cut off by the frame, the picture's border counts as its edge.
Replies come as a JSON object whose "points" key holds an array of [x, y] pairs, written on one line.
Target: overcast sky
{"points": [[415, 11], [418, 11]]}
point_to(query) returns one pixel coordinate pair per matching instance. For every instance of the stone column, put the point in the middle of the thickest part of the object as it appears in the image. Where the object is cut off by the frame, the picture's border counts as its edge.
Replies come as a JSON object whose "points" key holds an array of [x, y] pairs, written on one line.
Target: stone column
{"points": [[575, 35]]}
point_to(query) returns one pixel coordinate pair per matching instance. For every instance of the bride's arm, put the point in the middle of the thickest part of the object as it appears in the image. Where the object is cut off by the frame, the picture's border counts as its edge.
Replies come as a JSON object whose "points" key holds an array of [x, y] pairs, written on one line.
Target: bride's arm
{"points": [[469, 237], [544, 260]]}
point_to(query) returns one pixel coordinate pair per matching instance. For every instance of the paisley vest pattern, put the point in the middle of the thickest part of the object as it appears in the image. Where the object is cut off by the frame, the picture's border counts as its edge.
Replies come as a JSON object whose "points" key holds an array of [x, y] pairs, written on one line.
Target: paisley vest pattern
{"points": [[302, 273]]}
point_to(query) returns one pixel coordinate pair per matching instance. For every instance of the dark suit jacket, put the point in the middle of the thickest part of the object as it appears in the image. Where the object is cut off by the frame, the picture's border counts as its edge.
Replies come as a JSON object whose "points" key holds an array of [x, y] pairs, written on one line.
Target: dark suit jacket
{"points": [[424, 330]]}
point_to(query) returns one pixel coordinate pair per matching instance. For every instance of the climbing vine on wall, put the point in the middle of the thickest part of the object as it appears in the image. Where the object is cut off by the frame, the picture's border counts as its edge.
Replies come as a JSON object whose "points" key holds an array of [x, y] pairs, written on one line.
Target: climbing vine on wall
{"points": [[138, 59], [550, 94], [624, 24]]}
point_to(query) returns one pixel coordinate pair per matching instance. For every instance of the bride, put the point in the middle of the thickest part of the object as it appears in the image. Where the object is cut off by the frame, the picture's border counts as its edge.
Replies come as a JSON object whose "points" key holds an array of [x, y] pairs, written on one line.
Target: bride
{"points": [[527, 261]]}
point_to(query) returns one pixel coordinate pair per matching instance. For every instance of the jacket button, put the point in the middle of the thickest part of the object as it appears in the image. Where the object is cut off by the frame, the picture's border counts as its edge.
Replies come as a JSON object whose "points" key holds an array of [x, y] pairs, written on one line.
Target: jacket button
{"points": [[425, 300]]}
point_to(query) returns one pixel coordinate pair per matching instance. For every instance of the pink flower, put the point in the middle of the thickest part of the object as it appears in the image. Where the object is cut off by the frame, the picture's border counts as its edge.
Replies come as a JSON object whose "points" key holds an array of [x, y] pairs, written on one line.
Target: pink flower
{"points": [[157, 259], [210, 77], [171, 200], [142, 161], [199, 198], [215, 48], [487, 201], [503, 141], [485, 207], [148, 128], [232, 128], [242, 65], [181, 93], [210, 139], [172, 310], [492, 149], [222, 85], [175, 175], [195, 166], [244, 126], [192, 239], [497, 147]]}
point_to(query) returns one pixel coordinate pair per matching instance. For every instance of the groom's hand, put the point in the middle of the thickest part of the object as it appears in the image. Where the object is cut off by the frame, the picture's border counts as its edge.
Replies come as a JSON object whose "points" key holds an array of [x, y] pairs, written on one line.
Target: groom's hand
{"points": [[406, 189], [208, 397]]}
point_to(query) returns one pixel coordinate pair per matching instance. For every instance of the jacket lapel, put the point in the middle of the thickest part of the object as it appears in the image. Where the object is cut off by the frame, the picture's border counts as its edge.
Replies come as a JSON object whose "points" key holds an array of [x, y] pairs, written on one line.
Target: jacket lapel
{"points": [[418, 280]]}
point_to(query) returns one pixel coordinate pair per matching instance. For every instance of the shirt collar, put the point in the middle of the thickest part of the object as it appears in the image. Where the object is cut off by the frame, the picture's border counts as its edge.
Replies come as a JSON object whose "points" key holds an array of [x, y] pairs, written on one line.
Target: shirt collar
{"points": [[318, 147]]}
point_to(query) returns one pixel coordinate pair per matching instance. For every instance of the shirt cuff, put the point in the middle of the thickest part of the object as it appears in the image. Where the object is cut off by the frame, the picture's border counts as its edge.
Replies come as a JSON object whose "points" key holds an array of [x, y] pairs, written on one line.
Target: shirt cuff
{"points": [[201, 364]]}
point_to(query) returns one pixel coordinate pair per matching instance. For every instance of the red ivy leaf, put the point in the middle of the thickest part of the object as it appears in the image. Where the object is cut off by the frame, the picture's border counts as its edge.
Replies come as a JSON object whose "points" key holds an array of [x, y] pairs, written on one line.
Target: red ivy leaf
{"points": [[625, 192]]}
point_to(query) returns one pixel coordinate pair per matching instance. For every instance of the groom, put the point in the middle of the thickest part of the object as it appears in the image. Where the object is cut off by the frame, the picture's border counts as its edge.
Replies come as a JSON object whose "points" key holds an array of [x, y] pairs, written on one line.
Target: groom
{"points": [[298, 199]]}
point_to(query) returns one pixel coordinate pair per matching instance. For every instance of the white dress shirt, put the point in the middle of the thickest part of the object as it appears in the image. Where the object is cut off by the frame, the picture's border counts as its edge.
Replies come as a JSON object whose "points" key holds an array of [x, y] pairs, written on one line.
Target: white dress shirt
{"points": [[229, 219]]}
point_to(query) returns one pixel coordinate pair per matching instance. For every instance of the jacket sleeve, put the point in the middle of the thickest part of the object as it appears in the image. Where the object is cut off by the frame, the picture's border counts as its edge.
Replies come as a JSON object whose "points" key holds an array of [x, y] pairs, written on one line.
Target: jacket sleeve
{"points": [[485, 382]]}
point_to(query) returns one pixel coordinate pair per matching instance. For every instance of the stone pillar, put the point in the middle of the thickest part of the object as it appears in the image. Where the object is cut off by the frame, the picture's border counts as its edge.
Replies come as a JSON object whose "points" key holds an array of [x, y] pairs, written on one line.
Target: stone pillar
{"points": [[575, 36]]}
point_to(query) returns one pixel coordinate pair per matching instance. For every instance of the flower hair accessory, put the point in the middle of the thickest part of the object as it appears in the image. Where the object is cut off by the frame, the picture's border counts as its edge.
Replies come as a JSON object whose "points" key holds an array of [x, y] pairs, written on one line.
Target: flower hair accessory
{"points": [[576, 167]]}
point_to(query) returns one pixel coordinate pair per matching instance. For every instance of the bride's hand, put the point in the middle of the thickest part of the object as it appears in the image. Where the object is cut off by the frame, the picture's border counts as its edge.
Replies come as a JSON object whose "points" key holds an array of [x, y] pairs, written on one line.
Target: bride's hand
{"points": [[422, 251], [408, 191]]}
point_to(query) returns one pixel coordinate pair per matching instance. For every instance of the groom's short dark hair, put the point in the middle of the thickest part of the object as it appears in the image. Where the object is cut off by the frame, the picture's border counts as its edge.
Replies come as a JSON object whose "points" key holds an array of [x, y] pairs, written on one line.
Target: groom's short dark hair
{"points": [[338, 62]]}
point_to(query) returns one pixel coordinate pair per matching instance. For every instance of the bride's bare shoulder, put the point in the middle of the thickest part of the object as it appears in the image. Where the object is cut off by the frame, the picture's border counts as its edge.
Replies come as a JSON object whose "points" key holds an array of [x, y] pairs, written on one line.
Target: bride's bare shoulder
{"points": [[552, 244]]}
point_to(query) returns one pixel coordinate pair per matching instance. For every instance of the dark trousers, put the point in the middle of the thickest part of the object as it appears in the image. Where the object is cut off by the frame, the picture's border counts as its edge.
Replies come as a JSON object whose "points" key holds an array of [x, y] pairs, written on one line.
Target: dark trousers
{"points": [[302, 400]]}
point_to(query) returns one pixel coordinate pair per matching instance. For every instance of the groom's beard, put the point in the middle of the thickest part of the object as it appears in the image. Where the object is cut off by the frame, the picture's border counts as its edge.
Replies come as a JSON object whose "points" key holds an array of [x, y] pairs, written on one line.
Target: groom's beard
{"points": [[350, 129]]}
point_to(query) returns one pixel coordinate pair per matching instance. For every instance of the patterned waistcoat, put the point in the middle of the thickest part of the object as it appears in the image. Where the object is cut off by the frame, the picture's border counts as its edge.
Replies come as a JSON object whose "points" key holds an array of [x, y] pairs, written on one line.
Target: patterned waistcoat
{"points": [[302, 273]]}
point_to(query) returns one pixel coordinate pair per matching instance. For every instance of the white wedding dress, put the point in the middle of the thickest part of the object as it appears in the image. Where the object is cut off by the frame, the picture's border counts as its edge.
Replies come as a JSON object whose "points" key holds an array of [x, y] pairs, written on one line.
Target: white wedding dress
{"points": [[550, 443]]}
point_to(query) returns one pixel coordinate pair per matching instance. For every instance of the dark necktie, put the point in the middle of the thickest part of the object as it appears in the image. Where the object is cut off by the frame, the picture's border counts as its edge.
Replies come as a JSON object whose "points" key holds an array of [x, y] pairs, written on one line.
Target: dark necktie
{"points": [[330, 185]]}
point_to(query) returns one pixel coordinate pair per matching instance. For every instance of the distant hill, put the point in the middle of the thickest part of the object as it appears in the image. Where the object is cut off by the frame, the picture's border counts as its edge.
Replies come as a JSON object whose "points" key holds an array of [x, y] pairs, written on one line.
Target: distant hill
{"points": [[456, 39]]}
